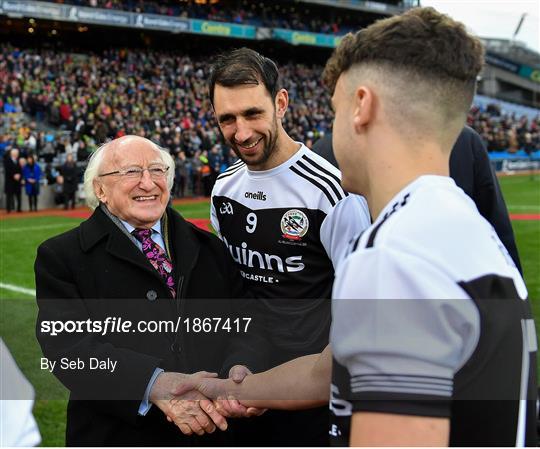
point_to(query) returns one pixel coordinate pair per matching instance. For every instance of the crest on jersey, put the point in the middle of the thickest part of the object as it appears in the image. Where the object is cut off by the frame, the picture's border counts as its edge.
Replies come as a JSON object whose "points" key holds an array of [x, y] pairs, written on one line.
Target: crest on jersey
{"points": [[294, 224]]}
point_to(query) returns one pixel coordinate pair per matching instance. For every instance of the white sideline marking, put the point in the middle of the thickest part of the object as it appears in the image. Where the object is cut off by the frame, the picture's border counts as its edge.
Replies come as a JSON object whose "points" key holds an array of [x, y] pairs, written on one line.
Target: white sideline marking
{"points": [[16, 288], [35, 228]]}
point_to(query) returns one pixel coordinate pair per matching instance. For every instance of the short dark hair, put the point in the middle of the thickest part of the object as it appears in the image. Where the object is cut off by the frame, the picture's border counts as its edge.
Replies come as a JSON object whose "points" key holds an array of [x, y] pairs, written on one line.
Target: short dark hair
{"points": [[243, 66], [421, 40]]}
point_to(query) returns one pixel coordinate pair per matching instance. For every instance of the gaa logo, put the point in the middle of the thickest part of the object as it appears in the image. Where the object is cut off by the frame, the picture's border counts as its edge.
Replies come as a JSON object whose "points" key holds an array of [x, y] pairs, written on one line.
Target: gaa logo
{"points": [[226, 208], [294, 224]]}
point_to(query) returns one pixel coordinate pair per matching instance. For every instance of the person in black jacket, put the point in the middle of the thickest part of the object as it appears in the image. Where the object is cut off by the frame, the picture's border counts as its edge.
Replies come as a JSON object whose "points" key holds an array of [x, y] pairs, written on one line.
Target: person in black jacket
{"points": [[70, 176], [471, 170], [13, 179], [100, 272]]}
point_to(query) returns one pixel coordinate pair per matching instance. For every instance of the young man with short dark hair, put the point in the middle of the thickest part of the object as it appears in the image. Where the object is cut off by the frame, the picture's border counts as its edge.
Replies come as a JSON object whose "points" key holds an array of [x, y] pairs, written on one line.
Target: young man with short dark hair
{"points": [[433, 337]]}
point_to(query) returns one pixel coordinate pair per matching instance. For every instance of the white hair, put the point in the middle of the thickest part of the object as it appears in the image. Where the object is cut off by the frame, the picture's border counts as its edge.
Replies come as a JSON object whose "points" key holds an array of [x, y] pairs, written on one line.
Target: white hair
{"points": [[94, 165]]}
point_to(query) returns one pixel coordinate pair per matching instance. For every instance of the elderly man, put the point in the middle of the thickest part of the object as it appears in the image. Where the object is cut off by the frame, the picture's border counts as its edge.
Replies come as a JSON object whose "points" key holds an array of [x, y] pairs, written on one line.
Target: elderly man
{"points": [[136, 261]]}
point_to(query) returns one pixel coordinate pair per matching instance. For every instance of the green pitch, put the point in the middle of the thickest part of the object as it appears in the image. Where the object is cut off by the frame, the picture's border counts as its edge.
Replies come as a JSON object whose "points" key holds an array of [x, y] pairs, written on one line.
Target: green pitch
{"points": [[522, 196], [19, 239]]}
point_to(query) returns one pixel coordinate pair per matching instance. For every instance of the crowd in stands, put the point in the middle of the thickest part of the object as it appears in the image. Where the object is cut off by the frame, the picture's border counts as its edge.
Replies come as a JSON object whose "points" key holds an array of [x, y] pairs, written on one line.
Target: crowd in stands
{"points": [[275, 14], [505, 131], [77, 102]]}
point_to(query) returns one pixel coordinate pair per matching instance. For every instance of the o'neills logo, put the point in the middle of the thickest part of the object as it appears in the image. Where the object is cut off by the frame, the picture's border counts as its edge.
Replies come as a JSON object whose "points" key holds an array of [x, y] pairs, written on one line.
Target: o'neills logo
{"points": [[294, 224], [261, 196]]}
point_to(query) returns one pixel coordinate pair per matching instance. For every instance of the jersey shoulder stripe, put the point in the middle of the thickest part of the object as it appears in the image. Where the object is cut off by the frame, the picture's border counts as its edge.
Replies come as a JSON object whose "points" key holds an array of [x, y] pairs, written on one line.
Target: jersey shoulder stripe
{"points": [[231, 171], [337, 193], [234, 165], [395, 207], [316, 183], [331, 175], [355, 242]]}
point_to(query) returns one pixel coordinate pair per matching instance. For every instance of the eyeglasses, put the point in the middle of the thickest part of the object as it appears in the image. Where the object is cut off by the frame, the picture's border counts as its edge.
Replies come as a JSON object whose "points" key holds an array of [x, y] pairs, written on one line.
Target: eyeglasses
{"points": [[155, 172]]}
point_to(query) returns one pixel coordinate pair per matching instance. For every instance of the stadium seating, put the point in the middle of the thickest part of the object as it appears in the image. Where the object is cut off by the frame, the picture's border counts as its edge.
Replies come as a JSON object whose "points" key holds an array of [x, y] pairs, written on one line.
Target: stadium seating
{"points": [[75, 102], [277, 14]]}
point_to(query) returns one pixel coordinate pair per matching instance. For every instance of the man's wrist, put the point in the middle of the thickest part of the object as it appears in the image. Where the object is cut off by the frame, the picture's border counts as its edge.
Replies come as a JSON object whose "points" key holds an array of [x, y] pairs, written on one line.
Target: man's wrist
{"points": [[146, 402]]}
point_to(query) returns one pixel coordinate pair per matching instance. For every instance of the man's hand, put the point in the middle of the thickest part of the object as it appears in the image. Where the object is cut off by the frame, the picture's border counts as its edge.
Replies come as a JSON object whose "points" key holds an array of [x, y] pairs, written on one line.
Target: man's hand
{"points": [[194, 413], [228, 405], [232, 408], [238, 373], [225, 402], [189, 410], [222, 391]]}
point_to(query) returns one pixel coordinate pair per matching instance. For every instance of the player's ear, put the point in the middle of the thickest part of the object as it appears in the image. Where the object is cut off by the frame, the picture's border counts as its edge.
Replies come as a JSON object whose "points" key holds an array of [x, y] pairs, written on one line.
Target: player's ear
{"points": [[363, 107], [281, 103]]}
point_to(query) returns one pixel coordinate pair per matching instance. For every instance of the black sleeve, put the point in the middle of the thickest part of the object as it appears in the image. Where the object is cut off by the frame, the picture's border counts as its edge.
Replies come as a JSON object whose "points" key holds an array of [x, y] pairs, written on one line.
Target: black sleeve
{"points": [[323, 147], [489, 199], [471, 170]]}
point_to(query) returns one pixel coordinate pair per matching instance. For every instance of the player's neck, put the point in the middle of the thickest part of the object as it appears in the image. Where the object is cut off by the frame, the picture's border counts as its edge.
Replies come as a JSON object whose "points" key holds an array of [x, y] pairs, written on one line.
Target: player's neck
{"points": [[285, 149], [394, 170]]}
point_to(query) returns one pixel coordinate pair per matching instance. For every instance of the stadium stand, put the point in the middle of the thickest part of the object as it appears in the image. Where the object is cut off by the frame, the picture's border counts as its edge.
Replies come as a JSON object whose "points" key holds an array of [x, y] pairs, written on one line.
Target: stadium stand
{"points": [[69, 96], [277, 14], [87, 99]]}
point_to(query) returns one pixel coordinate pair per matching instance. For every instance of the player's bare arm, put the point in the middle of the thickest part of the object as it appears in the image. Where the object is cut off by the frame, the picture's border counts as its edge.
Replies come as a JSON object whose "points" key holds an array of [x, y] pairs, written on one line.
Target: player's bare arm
{"points": [[301, 383]]}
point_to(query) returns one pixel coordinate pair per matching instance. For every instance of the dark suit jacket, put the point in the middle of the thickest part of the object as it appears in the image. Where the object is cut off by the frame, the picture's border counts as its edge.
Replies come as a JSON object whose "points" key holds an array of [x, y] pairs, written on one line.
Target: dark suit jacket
{"points": [[11, 169], [70, 173], [471, 170], [95, 271]]}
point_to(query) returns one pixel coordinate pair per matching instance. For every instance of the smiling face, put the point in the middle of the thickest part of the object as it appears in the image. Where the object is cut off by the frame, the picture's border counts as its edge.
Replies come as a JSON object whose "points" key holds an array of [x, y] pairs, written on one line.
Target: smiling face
{"points": [[140, 202], [248, 119]]}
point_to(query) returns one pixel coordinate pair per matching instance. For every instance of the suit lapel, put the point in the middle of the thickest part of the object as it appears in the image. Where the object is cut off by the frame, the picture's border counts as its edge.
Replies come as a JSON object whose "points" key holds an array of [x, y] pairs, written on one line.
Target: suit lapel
{"points": [[120, 246], [98, 227]]}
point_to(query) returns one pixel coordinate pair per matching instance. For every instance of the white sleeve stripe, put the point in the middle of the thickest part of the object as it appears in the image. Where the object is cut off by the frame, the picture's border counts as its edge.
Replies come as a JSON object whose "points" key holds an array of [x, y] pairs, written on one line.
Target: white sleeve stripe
{"points": [[404, 389], [402, 378], [401, 385]]}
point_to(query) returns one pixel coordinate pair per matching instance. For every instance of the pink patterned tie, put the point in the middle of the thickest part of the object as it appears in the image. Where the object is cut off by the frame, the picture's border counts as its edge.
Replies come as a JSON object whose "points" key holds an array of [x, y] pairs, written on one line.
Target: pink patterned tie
{"points": [[157, 257]]}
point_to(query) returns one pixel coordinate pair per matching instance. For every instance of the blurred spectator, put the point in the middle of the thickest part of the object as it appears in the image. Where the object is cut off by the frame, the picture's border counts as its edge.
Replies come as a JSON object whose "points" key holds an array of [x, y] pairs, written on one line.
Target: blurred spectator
{"points": [[32, 175], [215, 161], [13, 180], [181, 175], [205, 174], [70, 181]]}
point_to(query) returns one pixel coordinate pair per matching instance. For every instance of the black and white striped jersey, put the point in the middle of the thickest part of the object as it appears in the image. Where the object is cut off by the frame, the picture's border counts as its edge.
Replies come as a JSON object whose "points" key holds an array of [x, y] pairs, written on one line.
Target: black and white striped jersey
{"points": [[287, 228], [431, 318]]}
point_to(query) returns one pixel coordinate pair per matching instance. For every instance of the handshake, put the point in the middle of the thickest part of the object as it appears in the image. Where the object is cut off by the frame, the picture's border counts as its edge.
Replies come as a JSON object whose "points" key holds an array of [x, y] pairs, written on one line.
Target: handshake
{"points": [[198, 403]]}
